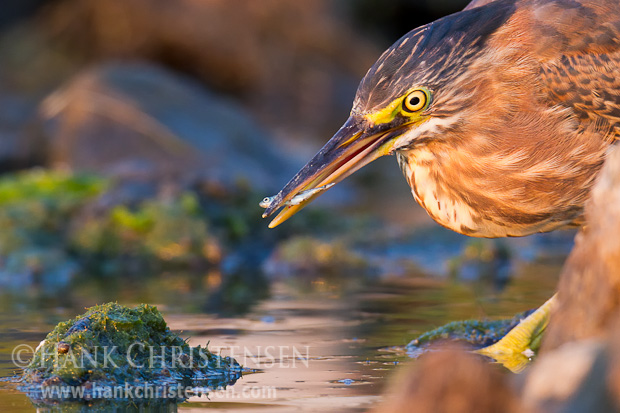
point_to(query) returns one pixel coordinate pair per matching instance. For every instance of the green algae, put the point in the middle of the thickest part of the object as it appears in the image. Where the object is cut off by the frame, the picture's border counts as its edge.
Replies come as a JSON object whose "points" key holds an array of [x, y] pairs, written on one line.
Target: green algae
{"points": [[53, 223], [53, 187], [476, 333], [36, 205], [167, 231], [116, 345]]}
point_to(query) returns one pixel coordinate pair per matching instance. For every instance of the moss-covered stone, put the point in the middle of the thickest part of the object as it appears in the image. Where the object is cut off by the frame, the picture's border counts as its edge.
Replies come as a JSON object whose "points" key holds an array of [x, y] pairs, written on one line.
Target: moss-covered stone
{"points": [[116, 345], [477, 333]]}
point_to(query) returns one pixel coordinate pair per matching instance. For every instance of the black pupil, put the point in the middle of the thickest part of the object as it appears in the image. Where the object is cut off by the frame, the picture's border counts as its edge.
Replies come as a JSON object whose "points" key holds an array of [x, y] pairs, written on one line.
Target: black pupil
{"points": [[414, 101]]}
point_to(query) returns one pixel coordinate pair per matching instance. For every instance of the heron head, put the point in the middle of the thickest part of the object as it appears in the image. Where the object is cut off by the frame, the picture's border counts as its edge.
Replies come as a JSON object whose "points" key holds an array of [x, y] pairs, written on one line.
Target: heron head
{"points": [[417, 88]]}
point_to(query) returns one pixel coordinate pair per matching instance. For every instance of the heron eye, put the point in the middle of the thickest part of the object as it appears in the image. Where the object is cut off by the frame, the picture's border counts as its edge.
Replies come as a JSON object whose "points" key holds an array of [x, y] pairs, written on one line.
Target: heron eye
{"points": [[415, 101]]}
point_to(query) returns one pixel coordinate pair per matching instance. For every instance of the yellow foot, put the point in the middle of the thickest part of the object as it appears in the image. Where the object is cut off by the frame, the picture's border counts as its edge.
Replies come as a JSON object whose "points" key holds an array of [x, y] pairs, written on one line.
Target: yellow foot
{"points": [[517, 347]]}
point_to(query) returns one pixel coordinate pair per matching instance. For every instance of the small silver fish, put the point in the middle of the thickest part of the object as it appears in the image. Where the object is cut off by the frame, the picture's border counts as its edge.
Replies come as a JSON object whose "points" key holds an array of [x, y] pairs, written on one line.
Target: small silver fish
{"points": [[268, 200], [297, 199]]}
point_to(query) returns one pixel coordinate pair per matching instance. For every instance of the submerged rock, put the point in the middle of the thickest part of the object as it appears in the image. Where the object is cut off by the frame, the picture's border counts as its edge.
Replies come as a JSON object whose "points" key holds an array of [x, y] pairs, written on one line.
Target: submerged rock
{"points": [[113, 345]]}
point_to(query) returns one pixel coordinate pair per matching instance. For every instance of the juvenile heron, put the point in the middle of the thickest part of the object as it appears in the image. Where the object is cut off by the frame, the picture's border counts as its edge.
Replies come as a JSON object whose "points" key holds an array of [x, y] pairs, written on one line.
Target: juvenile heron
{"points": [[500, 116]]}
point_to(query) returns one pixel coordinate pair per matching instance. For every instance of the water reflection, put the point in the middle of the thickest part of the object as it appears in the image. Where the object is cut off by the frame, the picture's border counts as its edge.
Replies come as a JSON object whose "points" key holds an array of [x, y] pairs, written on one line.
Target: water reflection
{"points": [[317, 342]]}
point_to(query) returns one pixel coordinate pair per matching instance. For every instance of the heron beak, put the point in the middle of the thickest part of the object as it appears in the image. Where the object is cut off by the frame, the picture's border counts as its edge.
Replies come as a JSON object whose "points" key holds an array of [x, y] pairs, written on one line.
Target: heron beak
{"points": [[352, 147]]}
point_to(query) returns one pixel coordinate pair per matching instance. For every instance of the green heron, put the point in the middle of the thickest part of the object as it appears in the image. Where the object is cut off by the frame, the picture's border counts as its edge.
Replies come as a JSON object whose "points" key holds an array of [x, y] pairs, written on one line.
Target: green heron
{"points": [[500, 116]]}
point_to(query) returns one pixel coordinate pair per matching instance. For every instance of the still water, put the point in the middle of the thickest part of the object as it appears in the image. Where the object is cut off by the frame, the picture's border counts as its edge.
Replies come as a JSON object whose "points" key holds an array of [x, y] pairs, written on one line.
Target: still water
{"points": [[311, 344]]}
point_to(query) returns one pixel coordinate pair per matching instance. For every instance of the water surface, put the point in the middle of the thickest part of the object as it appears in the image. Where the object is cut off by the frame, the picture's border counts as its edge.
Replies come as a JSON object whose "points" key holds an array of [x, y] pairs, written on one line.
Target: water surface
{"points": [[313, 345]]}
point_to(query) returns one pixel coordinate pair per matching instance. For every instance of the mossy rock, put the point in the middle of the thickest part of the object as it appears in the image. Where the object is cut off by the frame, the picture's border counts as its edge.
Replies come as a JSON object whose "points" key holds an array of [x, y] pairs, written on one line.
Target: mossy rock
{"points": [[113, 345], [476, 333]]}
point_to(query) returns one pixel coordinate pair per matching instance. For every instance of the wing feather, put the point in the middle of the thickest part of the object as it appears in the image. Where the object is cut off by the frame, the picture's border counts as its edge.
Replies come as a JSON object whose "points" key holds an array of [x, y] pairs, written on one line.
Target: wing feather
{"points": [[580, 67]]}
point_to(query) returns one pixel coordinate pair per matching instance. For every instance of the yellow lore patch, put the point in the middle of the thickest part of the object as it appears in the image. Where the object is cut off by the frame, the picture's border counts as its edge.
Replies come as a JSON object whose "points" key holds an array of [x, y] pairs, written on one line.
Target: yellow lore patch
{"points": [[388, 113]]}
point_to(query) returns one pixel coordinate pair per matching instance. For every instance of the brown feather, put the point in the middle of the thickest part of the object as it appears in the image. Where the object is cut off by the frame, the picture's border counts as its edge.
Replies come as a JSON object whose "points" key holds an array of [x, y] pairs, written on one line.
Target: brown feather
{"points": [[541, 107]]}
